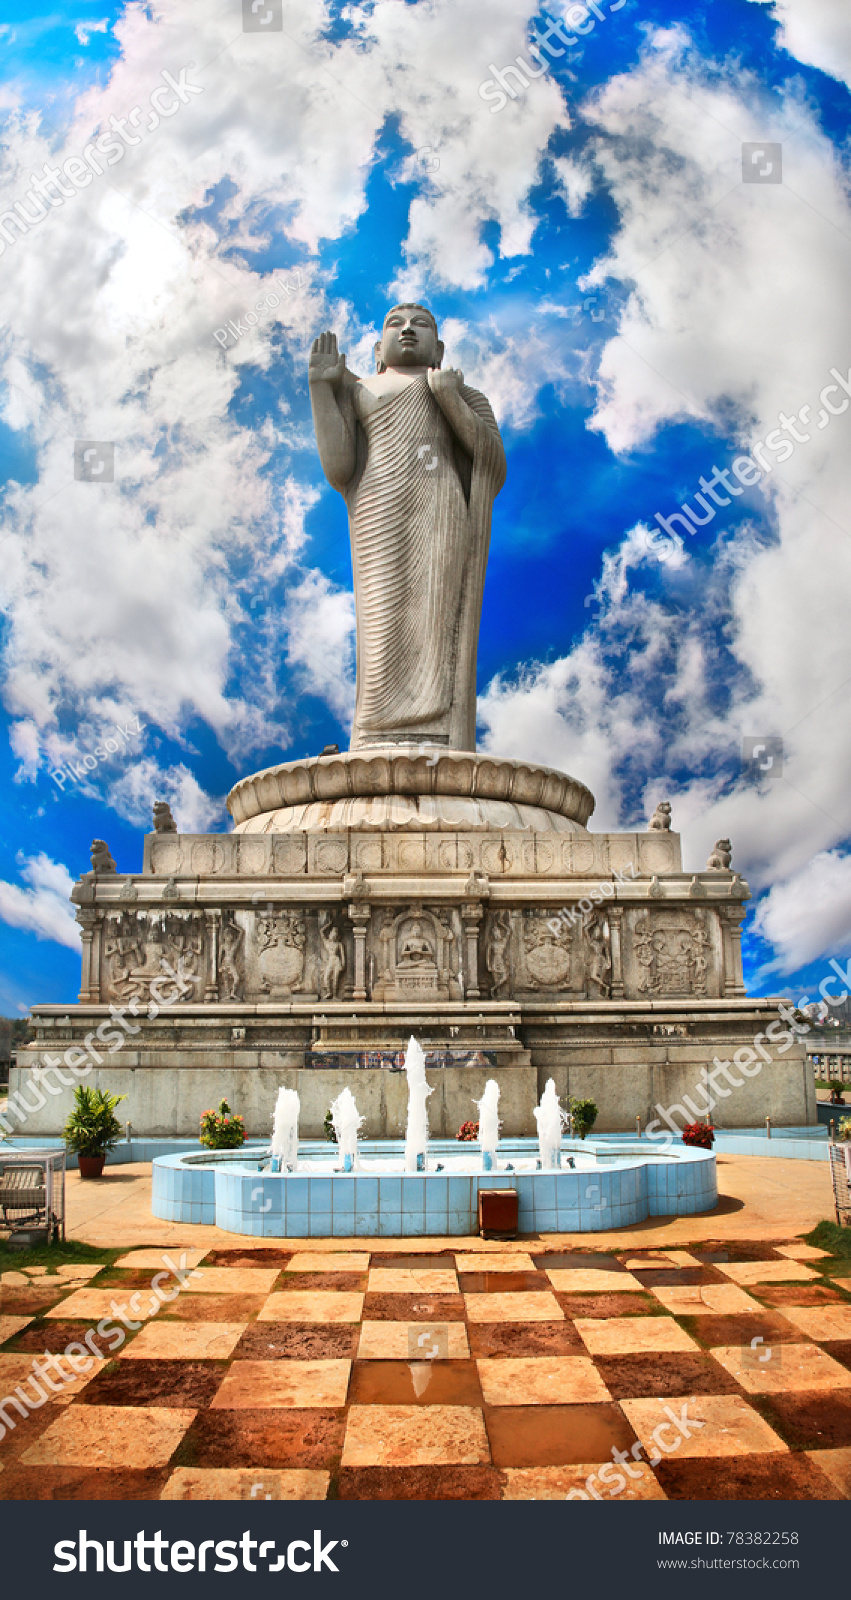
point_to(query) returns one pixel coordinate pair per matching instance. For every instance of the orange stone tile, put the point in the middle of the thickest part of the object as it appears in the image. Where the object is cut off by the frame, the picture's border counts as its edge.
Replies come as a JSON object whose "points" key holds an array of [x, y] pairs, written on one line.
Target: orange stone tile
{"points": [[261, 1385], [836, 1465], [232, 1280], [412, 1436], [312, 1305], [329, 1261], [401, 1280], [9, 1326], [582, 1483], [184, 1341], [80, 1271], [92, 1305], [627, 1336], [541, 1381], [782, 1368], [822, 1323], [592, 1280], [110, 1436], [482, 1261], [753, 1272], [18, 1369], [716, 1424], [704, 1299], [800, 1252], [413, 1341], [178, 1255], [513, 1307], [246, 1483]]}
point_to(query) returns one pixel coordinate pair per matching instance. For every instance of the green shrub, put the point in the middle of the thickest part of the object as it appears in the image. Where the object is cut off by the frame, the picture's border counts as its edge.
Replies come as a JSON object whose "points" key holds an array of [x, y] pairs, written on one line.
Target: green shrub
{"points": [[583, 1114], [92, 1128], [221, 1129]]}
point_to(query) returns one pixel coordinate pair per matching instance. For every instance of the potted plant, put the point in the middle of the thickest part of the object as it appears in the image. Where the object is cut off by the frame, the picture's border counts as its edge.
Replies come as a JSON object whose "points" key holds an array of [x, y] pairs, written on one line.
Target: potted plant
{"points": [[92, 1128], [583, 1115], [468, 1132], [222, 1129], [843, 1131], [701, 1134]]}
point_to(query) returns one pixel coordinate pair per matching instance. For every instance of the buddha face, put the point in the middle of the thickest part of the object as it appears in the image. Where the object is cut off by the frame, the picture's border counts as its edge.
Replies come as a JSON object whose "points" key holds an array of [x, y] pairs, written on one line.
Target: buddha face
{"points": [[409, 339]]}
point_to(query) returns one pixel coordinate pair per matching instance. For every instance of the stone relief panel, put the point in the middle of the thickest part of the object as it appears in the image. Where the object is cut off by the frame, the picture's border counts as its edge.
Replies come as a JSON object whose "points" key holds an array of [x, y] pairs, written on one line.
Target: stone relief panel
{"points": [[546, 956], [332, 963], [138, 948], [279, 954], [231, 958], [597, 953], [671, 953], [416, 955], [497, 954]]}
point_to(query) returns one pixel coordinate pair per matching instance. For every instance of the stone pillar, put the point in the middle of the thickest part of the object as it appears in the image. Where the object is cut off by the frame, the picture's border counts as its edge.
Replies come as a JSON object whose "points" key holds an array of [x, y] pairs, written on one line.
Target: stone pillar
{"points": [[732, 918], [211, 988], [615, 915], [359, 915], [90, 964], [471, 916]]}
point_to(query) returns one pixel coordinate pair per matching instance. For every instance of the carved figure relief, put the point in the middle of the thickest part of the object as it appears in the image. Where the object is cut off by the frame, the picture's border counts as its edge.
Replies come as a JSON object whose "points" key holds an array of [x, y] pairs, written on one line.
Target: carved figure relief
{"points": [[674, 955], [721, 856], [496, 952], [163, 820], [231, 959], [415, 957], [546, 955], [138, 950], [333, 956], [280, 943], [661, 818], [598, 958]]}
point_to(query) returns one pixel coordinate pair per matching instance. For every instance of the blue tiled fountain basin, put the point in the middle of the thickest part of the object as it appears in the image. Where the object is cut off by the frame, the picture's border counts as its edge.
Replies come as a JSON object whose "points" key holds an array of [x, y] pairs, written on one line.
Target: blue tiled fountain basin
{"points": [[616, 1185]]}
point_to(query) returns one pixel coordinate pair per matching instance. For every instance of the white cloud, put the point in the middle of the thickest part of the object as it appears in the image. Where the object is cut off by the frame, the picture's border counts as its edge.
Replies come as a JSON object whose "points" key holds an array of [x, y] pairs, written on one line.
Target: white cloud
{"points": [[811, 912], [131, 593], [134, 792], [319, 623], [738, 310], [84, 30], [42, 908], [817, 32]]}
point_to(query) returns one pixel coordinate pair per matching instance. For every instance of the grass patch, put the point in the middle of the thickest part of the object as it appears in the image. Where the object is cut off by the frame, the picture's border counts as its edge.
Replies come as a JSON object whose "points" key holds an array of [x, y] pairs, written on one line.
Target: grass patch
{"points": [[55, 1255], [832, 1083], [830, 1237]]}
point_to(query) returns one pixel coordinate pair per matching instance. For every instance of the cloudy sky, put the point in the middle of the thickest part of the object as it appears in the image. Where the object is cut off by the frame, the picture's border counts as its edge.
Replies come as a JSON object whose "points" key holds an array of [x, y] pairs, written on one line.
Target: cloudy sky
{"points": [[639, 249]]}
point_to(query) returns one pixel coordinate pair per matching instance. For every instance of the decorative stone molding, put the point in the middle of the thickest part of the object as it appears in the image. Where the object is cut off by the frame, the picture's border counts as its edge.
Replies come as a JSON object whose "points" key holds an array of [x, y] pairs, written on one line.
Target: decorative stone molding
{"points": [[409, 773]]}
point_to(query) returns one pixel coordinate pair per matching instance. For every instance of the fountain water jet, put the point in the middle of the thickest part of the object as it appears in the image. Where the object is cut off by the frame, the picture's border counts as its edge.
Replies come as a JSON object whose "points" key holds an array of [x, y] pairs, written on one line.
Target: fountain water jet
{"points": [[551, 1121], [489, 1124], [347, 1120], [284, 1148], [416, 1132]]}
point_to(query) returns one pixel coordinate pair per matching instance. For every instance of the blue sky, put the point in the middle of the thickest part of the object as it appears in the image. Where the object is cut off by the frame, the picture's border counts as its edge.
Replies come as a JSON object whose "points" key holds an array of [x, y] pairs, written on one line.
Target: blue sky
{"points": [[637, 314]]}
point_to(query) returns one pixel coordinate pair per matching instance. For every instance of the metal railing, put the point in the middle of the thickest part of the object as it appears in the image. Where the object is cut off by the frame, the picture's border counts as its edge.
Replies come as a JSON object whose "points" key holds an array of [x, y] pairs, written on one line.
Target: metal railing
{"points": [[32, 1191]]}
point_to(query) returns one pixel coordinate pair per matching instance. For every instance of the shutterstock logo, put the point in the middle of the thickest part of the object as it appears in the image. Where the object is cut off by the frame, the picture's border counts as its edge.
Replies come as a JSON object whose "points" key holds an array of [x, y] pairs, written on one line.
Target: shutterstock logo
{"points": [[94, 462], [262, 16], [762, 163]]}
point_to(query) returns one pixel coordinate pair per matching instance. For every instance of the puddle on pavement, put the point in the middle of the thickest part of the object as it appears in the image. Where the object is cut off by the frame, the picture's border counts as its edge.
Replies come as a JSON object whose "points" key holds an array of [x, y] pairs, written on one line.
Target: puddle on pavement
{"points": [[495, 1282], [554, 1436], [421, 1263], [582, 1260], [408, 1383]]}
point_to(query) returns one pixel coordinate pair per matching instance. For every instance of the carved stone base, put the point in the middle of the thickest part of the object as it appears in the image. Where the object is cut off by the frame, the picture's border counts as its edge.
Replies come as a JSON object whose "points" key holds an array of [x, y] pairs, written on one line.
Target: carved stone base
{"points": [[409, 787]]}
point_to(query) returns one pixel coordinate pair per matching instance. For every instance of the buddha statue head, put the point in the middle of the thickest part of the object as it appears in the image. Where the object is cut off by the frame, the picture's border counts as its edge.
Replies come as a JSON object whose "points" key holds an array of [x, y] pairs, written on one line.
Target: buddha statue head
{"points": [[409, 338]]}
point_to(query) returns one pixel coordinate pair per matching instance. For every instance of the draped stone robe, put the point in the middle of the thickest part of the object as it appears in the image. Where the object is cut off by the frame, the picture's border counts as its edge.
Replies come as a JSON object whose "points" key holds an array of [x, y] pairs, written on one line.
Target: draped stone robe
{"points": [[419, 518]]}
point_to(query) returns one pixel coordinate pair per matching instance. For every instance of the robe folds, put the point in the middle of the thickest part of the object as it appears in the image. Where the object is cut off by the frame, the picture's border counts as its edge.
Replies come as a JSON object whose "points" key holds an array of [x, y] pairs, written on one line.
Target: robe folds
{"points": [[419, 519]]}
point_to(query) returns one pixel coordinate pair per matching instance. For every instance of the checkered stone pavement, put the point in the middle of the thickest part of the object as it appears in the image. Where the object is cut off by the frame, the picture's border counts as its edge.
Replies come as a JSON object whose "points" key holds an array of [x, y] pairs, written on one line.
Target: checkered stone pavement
{"points": [[435, 1372]]}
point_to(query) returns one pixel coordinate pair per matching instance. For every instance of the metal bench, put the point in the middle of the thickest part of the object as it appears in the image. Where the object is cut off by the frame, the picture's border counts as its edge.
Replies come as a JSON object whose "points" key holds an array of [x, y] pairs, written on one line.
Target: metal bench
{"points": [[32, 1191], [841, 1183], [22, 1192]]}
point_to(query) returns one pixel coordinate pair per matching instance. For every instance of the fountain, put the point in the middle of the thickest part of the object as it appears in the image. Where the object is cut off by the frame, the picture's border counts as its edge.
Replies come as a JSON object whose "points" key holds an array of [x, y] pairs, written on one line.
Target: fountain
{"points": [[285, 1131], [416, 1134], [551, 1121], [384, 1186], [347, 1120], [489, 1124]]}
